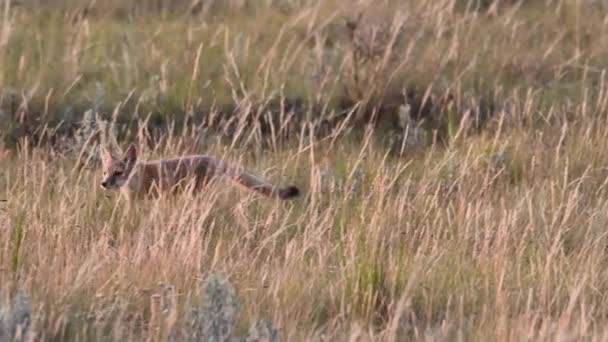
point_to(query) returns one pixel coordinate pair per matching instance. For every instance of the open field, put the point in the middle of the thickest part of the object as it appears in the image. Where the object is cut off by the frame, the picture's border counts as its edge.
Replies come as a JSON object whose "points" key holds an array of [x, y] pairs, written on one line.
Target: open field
{"points": [[480, 216]]}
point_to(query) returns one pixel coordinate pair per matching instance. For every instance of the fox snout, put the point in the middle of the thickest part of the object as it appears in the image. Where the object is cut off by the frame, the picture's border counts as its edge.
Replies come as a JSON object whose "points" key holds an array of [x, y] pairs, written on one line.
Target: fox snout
{"points": [[111, 182], [106, 184]]}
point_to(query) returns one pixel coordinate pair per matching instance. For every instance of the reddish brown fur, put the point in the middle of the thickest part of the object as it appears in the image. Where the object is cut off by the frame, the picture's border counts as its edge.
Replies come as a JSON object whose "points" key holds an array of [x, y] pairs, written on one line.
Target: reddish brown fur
{"points": [[176, 174]]}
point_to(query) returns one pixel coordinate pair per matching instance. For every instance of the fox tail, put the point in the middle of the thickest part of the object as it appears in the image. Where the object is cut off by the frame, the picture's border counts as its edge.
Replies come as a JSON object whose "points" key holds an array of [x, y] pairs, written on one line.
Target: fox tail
{"points": [[257, 184]]}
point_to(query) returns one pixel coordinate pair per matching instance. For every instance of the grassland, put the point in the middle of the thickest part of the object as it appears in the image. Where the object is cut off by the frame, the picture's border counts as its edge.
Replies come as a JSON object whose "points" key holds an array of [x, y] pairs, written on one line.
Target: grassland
{"points": [[482, 217]]}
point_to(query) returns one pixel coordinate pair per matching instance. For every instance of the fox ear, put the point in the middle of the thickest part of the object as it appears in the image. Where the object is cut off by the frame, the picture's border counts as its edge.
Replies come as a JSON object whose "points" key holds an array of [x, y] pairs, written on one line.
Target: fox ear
{"points": [[106, 154], [130, 156]]}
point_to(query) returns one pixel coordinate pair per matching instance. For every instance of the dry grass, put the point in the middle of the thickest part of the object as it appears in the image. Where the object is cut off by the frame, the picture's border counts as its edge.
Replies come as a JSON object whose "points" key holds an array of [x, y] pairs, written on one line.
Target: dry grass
{"points": [[496, 234]]}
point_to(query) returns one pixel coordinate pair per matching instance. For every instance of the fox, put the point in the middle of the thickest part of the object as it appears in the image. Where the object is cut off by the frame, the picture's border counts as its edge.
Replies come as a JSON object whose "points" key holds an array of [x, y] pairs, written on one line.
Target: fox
{"points": [[138, 178]]}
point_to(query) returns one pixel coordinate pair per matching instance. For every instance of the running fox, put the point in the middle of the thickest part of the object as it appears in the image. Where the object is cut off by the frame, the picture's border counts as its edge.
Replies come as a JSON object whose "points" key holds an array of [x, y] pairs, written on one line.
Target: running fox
{"points": [[141, 178]]}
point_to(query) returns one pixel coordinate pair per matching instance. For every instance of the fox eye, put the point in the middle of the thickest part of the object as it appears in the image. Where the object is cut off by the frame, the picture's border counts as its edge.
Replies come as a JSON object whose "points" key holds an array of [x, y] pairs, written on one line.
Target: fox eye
{"points": [[117, 173]]}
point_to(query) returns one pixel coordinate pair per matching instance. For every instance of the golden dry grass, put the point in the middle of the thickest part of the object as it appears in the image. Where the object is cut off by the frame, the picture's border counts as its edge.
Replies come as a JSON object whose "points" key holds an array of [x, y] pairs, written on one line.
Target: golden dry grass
{"points": [[499, 235]]}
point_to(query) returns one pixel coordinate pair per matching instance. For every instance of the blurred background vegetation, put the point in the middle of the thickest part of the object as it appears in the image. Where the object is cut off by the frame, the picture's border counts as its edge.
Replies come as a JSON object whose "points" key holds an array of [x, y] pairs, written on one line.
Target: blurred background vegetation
{"points": [[282, 67]]}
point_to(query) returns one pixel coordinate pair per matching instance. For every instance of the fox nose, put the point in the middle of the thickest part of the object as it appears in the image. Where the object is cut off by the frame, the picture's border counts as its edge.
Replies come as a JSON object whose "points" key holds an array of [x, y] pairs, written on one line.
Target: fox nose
{"points": [[104, 184]]}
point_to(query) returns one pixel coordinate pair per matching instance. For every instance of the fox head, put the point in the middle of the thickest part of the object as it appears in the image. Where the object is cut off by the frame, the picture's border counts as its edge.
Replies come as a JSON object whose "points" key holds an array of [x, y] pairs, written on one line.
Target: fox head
{"points": [[116, 170]]}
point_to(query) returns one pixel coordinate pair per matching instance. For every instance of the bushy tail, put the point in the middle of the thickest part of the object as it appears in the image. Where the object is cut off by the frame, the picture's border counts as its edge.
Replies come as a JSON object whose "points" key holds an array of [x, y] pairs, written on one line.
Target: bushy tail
{"points": [[255, 183]]}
